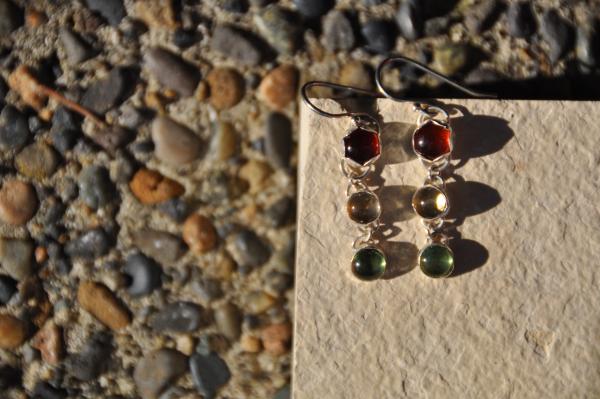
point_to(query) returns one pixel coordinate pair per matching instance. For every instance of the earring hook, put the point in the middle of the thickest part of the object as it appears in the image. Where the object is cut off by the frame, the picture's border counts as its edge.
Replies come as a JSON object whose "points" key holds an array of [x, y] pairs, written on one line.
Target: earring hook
{"points": [[418, 103], [356, 116]]}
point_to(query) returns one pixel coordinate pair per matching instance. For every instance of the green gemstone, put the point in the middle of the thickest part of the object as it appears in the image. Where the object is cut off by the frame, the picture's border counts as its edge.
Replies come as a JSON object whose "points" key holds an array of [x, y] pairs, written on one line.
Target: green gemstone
{"points": [[368, 263], [436, 260]]}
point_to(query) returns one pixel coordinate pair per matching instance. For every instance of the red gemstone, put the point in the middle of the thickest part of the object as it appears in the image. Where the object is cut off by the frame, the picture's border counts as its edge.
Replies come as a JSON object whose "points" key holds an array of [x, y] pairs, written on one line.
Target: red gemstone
{"points": [[361, 146], [432, 141]]}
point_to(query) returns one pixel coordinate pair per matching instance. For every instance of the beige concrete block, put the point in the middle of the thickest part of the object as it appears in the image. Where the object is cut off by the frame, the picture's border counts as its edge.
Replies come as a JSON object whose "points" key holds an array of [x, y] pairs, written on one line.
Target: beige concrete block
{"points": [[521, 317]]}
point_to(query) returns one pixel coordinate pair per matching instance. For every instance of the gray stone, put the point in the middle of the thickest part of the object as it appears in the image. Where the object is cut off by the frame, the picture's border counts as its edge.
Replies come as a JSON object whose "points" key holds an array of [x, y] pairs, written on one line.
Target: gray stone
{"points": [[8, 287], [93, 360], [587, 45], [145, 275], [520, 19], [338, 33], [157, 370], [379, 35], [207, 290], [176, 208], [66, 129], [37, 161], [247, 249], [279, 142], [16, 257], [172, 71], [235, 44], [95, 187], [106, 93], [229, 321], [209, 373], [558, 33], [174, 143], [11, 17], [162, 246], [219, 186], [89, 245], [236, 6], [313, 8], [113, 10], [279, 28], [280, 212], [14, 129], [481, 16], [44, 390], [76, 49], [410, 19], [180, 317], [437, 26], [111, 138]]}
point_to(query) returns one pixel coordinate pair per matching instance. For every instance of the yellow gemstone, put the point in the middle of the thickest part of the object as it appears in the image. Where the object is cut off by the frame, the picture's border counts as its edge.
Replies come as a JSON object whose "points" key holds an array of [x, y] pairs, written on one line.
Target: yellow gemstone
{"points": [[430, 202]]}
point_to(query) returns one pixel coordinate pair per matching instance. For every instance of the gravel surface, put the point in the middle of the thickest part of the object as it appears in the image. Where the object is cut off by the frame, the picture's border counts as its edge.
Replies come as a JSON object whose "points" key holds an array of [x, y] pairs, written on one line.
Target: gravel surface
{"points": [[147, 166]]}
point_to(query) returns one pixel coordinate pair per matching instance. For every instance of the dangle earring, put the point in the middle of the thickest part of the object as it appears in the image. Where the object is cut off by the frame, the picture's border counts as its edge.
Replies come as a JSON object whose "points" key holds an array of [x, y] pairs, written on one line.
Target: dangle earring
{"points": [[432, 143], [361, 147]]}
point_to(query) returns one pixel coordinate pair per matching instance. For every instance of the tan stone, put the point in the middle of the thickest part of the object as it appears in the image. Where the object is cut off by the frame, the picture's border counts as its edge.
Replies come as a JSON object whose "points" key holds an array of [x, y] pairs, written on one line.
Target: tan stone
{"points": [[157, 14], [256, 173], [199, 233], [18, 202], [250, 343], [276, 338], [278, 87], [226, 87], [49, 341], [150, 187], [12, 332], [102, 303]]}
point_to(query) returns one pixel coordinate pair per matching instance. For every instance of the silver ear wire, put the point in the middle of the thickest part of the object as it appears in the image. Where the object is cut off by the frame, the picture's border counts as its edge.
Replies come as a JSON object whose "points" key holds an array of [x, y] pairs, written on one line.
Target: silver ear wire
{"points": [[419, 104], [356, 116]]}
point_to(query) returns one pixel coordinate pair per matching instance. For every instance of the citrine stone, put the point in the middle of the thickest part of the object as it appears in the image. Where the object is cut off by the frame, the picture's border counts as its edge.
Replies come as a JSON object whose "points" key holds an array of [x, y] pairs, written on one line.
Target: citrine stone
{"points": [[368, 264], [362, 146], [436, 260], [430, 202], [432, 141], [363, 207]]}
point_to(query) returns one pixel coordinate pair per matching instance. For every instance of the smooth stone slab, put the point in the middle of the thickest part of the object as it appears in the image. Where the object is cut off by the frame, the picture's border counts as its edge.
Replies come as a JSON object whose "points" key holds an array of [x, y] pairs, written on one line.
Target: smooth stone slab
{"points": [[519, 317]]}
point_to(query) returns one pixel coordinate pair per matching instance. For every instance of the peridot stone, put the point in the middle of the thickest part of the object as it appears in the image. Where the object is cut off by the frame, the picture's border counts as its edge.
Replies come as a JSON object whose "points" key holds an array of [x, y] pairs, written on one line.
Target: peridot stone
{"points": [[368, 264], [436, 260]]}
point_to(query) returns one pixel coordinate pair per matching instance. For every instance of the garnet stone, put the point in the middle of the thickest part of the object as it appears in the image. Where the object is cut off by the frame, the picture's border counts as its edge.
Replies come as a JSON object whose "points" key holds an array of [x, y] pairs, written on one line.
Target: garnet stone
{"points": [[432, 141], [362, 146]]}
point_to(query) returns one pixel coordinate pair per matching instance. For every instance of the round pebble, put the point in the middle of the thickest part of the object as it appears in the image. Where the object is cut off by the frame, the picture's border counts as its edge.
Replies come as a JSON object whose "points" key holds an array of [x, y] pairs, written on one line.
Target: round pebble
{"points": [[16, 257], [49, 341], [95, 187], [279, 142], [379, 35], [338, 32], [18, 202], [90, 245], [179, 317], [157, 370], [164, 247], [451, 58], [145, 275], [558, 33], [12, 332], [521, 21], [235, 44], [276, 338], [199, 234], [37, 161], [225, 142], [226, 87], [278, 87], [174, 143], [410, 19], [229, 321], [150, 187], [279, 27], [75, 48], [14, 129], [247, 249], [172, 71], [313, 8], [209, 373]]}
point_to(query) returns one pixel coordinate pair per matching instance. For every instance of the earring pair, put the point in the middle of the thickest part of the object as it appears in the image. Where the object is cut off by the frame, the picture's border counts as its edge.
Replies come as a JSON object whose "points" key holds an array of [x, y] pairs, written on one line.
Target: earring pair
{"points": [[432, 142]]}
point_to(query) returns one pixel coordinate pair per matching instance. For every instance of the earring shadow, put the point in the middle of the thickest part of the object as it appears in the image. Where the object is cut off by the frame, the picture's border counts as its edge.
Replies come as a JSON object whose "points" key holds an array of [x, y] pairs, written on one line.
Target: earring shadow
{"points": [[396, 143], [401, 258]]}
